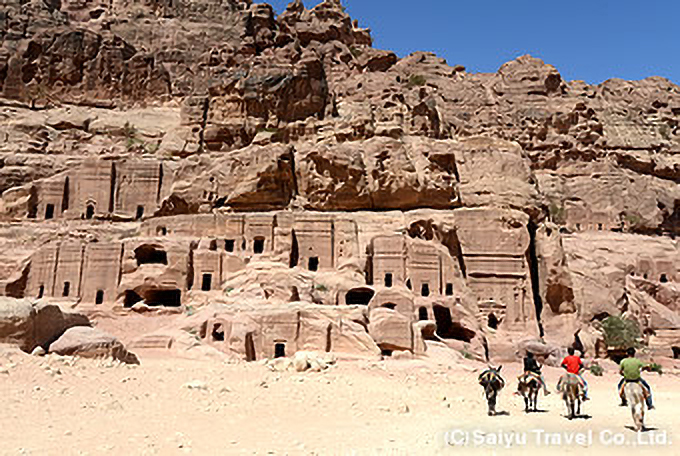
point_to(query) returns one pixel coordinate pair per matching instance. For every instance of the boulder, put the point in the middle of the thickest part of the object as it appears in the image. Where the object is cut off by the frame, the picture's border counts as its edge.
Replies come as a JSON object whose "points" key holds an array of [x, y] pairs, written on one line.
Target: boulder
{"points": [[30, 325], [390, 329], [17, 322], [91, 343]]}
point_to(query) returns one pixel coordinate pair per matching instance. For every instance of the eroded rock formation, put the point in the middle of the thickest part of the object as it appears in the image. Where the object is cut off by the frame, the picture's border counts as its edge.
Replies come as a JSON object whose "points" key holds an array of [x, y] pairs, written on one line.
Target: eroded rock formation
{"points": [[295, 189]]}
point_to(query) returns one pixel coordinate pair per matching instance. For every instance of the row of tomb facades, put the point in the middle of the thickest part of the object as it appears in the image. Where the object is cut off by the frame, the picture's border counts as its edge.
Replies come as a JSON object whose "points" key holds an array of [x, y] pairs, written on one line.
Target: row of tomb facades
{"points": [[135, 188], [199, 253]]}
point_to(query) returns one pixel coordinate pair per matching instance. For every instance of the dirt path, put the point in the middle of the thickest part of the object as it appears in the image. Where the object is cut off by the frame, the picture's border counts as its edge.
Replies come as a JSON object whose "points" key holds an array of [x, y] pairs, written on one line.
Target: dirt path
{"points": [[50, 407]]}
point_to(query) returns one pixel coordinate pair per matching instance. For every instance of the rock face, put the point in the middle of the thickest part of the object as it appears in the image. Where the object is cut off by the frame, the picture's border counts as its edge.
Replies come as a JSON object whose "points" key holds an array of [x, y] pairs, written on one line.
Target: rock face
{"points": [[30, 325], [168, 157]]}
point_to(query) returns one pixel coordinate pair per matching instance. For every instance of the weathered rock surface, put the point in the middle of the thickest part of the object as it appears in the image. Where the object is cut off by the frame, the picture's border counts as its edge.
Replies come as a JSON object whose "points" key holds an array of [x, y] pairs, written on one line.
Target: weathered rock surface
{"points": [[29, 324], [165, 157], [91, 343]]}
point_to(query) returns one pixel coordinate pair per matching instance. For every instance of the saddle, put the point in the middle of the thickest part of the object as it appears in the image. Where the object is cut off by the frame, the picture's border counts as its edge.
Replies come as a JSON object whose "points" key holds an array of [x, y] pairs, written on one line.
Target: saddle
{"points": [[570, 378], [645, 391], [527, 377], [489, 377]]}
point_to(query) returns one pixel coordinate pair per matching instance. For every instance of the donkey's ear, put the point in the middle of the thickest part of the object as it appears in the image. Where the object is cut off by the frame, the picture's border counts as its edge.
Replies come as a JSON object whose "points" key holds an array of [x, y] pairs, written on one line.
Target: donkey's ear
{"points": [[500, 367]]}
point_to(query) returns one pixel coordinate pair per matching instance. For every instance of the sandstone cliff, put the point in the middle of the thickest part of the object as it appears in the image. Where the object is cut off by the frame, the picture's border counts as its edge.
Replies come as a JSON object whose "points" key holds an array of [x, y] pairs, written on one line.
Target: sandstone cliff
{"points": [[197, 152]]}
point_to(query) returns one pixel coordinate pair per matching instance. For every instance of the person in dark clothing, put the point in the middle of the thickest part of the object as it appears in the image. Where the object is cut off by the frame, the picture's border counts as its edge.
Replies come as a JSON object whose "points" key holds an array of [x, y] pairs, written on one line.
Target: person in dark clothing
{"points": [[531, 365]]}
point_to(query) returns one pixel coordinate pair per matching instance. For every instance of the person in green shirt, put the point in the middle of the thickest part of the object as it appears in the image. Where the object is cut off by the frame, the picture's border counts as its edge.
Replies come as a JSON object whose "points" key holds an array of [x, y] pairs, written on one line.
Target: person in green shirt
{"points": [[630, 369]]}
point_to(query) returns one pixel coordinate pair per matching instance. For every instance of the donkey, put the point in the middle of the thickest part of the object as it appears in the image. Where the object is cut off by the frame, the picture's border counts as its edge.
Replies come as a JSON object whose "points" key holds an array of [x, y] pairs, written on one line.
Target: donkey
{"points": [[635, 397], [572, 391], [529, 385], [492, 382]]}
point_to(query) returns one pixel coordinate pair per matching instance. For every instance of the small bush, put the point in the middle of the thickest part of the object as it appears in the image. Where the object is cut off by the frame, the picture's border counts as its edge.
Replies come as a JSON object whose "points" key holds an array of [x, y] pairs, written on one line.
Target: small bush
{"points": [[654, 367], [632, 219], [557, 214], [620, 333], [596, 370], [467, 355], [320, 287], [416, 80]]}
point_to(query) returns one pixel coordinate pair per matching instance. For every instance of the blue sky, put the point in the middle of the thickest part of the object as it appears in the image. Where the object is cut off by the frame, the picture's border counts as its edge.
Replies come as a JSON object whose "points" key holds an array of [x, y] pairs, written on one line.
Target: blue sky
{"points": [[592, 40]]}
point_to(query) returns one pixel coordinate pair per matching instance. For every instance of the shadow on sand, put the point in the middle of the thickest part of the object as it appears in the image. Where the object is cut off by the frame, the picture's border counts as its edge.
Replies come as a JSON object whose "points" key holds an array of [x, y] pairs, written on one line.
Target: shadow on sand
{"points": [[644, 429]]}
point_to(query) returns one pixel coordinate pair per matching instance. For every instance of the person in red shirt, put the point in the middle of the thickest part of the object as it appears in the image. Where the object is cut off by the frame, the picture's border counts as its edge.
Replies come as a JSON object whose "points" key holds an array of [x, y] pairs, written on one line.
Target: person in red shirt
{"points": [[574, 365]]}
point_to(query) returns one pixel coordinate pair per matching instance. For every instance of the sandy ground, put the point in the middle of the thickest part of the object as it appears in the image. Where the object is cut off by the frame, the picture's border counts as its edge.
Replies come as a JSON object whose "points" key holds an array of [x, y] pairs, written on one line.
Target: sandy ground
{"points": [[62, 406]]}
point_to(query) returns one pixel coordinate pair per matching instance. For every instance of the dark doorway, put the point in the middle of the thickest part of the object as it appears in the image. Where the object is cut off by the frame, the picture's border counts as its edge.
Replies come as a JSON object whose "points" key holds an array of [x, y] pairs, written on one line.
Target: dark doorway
{"points": [[67, 289], [131, 298], [229, 245], [388, 280], [99, 298], [250, 348], [493, 321], [280, 350], [447, 329], [359, 296], [408, 284], [49, 211], [258, 246], [140, 212], [676, 352], [41, 291], [89, 211], [213, 245], [162, 231], [422, 314], [449, 289], [206, 284], [164, 298], [218, 333], [329, 330], [425, 289], [663, 278], [65, 198], [389, 305], [386, 352], [148, 254], [314, 264], [294, 251]]}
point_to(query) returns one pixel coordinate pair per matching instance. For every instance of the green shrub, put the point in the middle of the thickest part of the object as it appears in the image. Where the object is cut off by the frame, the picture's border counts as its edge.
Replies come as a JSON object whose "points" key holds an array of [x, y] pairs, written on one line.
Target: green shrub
{"points": [[596, 370], [632, 219], [620, 333], [557, 214], [320, 287], [654, 367], [416, 80]]}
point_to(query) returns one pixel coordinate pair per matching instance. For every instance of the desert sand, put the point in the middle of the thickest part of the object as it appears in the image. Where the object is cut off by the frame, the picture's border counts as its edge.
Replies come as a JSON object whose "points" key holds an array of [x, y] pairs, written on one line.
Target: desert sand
{"points": [[63, 406]]}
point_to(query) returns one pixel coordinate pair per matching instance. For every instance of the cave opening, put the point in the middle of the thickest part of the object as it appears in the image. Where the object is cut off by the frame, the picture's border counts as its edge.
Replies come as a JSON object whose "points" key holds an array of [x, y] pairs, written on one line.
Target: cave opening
{"points": [[131, 298], [359, 296], [447, 328], [163, 298], [148, 254]]}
